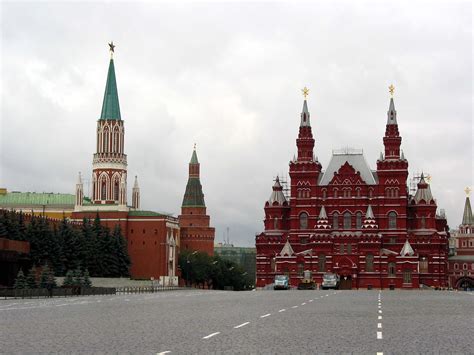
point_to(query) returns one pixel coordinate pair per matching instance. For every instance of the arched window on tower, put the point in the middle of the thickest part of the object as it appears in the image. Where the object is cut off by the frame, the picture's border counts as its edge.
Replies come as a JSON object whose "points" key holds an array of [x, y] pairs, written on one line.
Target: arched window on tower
{"points": [[423, 222], [358, 220], [106, 140], [335, 220], [358, 191], [275, 223], [347, 220], [303, 220], [371, 192], [103, 190], [116, 189], [335, 193], [116, 140], [324, 194], [392, 220]]}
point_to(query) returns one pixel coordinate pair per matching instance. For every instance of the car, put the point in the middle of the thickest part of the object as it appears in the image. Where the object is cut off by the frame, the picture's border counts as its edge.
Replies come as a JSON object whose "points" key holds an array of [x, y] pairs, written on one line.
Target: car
{"points": [[330, 280], [281, 282]]}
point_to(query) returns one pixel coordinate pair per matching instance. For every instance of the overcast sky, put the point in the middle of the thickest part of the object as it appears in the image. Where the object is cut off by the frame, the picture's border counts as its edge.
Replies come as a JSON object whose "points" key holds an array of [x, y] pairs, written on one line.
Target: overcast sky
{"points": [[228, 77]]}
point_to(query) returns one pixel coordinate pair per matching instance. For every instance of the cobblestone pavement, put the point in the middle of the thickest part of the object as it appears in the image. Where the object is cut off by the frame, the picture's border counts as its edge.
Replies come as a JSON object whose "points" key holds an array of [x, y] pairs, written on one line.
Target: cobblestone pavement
{"points": [[267, 322]]}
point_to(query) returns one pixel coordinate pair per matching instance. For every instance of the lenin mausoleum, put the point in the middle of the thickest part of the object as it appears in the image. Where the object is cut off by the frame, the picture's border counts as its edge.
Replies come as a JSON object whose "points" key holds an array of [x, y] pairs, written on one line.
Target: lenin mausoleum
{"points": [[361, 224]]}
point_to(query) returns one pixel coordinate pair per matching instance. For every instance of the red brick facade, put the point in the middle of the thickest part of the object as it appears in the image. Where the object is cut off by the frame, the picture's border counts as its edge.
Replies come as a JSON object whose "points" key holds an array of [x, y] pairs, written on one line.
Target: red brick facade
{"points": [[361, 224]]}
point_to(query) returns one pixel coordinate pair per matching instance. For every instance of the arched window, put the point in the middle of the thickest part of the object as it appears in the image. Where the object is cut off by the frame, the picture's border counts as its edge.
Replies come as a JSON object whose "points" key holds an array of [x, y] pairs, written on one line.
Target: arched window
{"points": [[116, 140], [103, 191], [423, 222], [358, 191], [392, 220], [303, 220], [347, 220], [275, 223], [321, 263], [335, 220], [116, 190], [464, 266], [324, 193], [456, 266], [335, 193], [391, 269], [371, 192], [358, 220], [106, 140], [369, 262]]}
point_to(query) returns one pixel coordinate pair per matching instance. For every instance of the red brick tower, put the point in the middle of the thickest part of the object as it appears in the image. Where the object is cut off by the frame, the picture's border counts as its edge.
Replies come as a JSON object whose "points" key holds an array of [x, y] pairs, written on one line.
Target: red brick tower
{"points": [[196, 234]]}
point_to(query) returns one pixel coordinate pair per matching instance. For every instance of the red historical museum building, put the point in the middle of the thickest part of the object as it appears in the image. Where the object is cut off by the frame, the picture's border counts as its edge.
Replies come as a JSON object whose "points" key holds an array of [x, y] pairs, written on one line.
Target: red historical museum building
{"points": [[152, 238], [347, 219]]}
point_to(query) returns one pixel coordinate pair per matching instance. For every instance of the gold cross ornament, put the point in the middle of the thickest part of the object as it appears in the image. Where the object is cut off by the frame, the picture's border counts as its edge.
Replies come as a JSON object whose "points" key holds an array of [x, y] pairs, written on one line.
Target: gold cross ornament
{"points": [[391, 89], [305, 91], [467, 190]]}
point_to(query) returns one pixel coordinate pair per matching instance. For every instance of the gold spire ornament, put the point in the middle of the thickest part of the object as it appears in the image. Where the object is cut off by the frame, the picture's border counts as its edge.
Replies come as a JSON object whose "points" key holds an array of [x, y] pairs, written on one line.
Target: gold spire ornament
{"points": [[111, 48], [391, 89], [467, 190], [194, 146], [428, 178], [305, 92]]}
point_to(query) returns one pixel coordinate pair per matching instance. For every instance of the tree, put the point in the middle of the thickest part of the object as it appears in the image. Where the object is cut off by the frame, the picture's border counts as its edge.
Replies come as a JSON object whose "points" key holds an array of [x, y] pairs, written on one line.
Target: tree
{"points": [[68, 280], [77, 281], [31, 278], [47, 279], [120, 249], [86, 282], [20, 281]]}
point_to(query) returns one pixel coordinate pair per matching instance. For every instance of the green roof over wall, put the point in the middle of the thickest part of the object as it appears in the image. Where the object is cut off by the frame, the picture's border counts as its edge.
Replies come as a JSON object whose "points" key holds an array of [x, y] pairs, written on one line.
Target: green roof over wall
{"points": [[193, 197], [147, 214], [110, 106], [33, 198]]}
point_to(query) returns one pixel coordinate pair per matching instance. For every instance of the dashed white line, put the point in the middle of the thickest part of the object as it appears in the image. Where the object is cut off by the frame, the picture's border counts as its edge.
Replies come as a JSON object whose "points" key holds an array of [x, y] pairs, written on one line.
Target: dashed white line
{"points": [[380, 311], [294, 307], [282, 310], [380, 317], [211, 335], [163, 352], [63, 304], [379, 335], [379, 325], [380, 353], [310, 300], [241, 325], [266, 315], [303, 303]]}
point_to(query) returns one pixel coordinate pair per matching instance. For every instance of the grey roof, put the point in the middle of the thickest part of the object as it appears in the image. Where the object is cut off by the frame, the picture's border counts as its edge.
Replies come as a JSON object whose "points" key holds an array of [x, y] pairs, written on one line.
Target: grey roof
{"points": [[323, 214], [355, 158], [407, 249], [277, 193], [423, 192], [287, 249], [305, 115], [370, 213], [467, 217], [392, 113]]}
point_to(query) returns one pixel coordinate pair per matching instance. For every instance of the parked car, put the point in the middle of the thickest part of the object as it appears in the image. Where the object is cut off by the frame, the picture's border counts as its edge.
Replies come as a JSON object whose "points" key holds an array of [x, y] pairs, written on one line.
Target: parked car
{"points": [[307, 282], [282, 282], [330, 280]]}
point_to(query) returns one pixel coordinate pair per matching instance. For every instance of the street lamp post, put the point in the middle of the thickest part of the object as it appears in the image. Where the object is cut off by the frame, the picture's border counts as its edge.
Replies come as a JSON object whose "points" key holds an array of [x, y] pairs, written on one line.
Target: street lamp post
{"points": [[187, 266]]}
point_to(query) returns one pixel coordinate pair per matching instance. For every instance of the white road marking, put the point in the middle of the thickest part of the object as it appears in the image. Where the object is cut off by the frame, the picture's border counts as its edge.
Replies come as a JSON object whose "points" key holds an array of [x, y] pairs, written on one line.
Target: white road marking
{"points": [[241, 325], [380, 306], [380, 353], [62, 304], [294, 307], [379, 335], [211, 335], [379, 325], [380, 311], [310, 301], [266, 315], [327, 295], [163, 352], [303, 303], [282, 310], [380, 317]]}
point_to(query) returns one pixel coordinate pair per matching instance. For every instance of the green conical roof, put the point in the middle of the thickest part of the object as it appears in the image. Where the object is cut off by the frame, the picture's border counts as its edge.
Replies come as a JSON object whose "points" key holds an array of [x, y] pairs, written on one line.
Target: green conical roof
{"points": [[194, 158], [467, 217], [110, 106], [193, 197]]}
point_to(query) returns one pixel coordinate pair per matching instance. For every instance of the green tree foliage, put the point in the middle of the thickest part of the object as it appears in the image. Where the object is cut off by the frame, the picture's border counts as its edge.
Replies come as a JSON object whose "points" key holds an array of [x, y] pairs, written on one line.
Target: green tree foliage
{"points": [[77, 281], [201, 269], [20, 281], [86, 281], [31, 278], [68, 247], [47, 279], [69, 279]]}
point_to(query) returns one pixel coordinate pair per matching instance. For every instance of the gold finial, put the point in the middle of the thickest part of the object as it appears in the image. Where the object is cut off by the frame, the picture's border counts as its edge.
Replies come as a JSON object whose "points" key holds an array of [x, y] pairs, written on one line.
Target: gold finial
{"points": [[305, 92], [194, 146], [467, 190], [111, 48], [428, 178], [391, 89]]}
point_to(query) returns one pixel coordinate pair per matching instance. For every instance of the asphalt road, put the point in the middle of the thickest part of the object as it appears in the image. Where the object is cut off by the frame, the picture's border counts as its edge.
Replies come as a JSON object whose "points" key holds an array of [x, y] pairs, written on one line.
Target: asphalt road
{"points": [[267, 322]]}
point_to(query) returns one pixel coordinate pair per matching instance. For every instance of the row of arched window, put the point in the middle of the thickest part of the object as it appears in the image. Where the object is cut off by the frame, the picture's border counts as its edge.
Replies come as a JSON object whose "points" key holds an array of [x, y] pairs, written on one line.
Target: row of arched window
{"points": [[346, 192], [102, 190], [346, 222], [108, 141]]}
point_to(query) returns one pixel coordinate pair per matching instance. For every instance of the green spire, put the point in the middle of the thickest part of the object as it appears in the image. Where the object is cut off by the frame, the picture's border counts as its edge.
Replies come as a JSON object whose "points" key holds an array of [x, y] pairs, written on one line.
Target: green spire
{"points": [[194, 158], [193, 197], [110, 106]]}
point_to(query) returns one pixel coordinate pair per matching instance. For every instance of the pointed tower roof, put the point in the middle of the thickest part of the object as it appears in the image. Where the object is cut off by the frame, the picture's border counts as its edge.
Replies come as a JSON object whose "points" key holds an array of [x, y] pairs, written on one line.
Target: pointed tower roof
{"points": [[110, 105], [287, 249], [467, 217], [277, 193], [424, 191], [322, 213], [194, 158], [135, 184], [193, 196], [369, 214], [407, 249], [305, 115], [79, 178], [392, 113]]}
